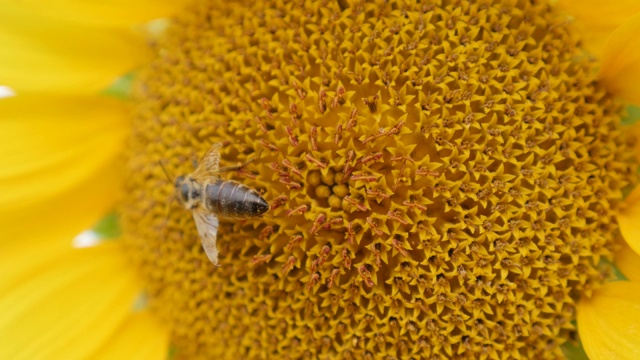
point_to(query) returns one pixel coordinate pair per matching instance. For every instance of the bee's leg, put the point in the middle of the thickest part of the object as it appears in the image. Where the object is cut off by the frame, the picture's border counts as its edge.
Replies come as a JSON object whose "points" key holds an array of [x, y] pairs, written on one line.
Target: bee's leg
{"points": [[194, 161], [236, 167]]}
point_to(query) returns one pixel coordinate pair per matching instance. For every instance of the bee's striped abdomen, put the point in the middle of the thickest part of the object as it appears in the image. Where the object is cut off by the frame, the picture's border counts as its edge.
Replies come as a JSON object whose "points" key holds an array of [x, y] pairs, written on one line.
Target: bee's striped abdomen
{"points": [[234, 200]]}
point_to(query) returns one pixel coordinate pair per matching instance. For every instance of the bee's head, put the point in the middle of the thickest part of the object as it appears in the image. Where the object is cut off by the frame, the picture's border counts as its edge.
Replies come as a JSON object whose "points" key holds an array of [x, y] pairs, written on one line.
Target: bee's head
{"points": [[179, 181], [182, 189]]}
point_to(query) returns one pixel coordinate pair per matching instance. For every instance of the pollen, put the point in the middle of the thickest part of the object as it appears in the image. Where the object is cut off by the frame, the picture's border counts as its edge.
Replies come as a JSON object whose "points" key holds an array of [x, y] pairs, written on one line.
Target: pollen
{"points": [[442, 179]]}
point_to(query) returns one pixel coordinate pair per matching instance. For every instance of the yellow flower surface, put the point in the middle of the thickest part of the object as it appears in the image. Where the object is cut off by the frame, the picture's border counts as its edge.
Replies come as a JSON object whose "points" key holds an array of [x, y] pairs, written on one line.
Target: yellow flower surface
{"points": [[60, 146], [445, 179], [600, 330], [68, 56], [622, 59], [596, 20], [80, 303]]}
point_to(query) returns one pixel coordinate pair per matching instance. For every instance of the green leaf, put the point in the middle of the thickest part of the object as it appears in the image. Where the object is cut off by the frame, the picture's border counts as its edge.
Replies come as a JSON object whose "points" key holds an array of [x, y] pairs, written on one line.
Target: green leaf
{"points": [[108, 227], [172, 352], [628, 189], [122, 87], [617, 273], [633, 115], [574, 351]]}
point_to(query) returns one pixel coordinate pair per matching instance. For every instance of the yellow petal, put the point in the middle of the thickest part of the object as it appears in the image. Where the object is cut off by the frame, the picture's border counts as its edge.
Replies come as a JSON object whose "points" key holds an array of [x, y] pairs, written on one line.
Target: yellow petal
{"points": [[32, 238], [620, 71], [628, 261], [69, 310], [608, 322], [104, 12], [59, 173], [41, 53], [52, 143], [628, 218], [141, 338], [593, 26]]}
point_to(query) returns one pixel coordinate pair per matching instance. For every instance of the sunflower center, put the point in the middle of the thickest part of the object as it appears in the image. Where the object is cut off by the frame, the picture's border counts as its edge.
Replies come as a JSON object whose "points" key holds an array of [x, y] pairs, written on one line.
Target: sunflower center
{"points": [[441, 179]]}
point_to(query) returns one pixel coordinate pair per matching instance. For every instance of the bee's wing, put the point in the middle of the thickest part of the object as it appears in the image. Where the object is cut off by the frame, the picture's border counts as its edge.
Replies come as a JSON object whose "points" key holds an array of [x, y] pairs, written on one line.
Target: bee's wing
{"points": [[209, 164], [207, 224]]}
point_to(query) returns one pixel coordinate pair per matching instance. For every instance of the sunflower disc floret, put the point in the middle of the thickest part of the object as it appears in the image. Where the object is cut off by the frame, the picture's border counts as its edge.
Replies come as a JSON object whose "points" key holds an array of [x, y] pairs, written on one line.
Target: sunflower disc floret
{"points": [[442, 178]]}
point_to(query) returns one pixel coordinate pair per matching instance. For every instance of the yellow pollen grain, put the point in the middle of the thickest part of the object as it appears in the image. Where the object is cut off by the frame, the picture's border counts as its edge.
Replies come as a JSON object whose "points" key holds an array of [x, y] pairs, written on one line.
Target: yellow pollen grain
{"points": [[329, 177], [443, 178], [314, 179], [340, 190], [335, 202], [322, 191]]}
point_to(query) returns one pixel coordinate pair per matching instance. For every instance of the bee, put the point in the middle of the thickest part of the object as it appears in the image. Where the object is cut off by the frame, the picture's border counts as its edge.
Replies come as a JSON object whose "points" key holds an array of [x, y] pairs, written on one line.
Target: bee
{"points": [[208, 196]]}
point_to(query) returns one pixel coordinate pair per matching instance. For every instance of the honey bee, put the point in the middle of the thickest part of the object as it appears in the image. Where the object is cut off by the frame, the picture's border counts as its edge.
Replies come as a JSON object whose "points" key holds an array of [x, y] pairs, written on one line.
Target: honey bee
{"points": [[208, 196]]}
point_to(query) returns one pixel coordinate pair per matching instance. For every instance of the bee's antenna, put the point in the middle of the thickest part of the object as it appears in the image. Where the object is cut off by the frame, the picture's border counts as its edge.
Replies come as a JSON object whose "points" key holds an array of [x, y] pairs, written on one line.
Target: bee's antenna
{"points": [[164, 170], [169, 177], [166, 218]]}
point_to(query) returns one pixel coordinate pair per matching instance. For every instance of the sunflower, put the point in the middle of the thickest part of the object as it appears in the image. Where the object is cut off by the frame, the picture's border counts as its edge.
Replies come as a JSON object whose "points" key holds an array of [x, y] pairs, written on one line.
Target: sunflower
{"points": [[446, 179]]}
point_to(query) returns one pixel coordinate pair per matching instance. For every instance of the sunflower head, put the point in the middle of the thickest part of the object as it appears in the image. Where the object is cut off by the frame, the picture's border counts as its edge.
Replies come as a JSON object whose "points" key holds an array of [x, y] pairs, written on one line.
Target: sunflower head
{"points": [[441, 176]]}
